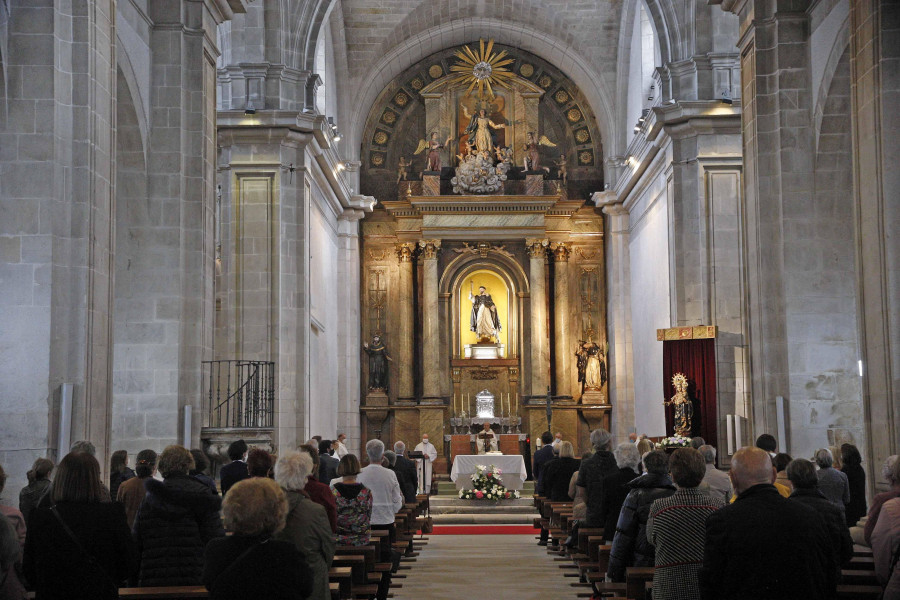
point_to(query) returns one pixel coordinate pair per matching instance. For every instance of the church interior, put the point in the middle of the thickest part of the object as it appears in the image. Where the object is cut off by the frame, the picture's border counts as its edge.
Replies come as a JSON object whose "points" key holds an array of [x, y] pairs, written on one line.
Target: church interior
{"points": [[268, 220]]}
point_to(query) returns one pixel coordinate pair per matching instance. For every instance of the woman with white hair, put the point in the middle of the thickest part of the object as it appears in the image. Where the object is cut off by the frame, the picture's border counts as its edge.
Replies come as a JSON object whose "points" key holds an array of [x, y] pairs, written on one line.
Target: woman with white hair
{"points": [[307, 525], [386, 501], [890, 470], [614, 487], [833, 484], [558, 472], [250, 563]]}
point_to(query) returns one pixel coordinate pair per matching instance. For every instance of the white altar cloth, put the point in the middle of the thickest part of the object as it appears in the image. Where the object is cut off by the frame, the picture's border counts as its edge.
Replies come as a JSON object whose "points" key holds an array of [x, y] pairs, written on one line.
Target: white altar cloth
{"points": [[512, 469]]}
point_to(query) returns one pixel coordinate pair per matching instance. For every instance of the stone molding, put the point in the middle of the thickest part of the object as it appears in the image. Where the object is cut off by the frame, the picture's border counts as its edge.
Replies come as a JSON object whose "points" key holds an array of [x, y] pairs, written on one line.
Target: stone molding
{"points": [[537, 248], [561, 252]]}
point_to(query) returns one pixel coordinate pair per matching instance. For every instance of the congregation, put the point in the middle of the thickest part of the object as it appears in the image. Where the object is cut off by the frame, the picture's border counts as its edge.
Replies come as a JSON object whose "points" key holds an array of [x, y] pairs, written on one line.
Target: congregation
{"points": [[771, 527], [279, 526]]}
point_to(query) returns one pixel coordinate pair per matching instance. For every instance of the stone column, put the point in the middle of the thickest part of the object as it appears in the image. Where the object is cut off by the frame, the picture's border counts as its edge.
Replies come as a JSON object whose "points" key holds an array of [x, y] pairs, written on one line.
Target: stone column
{"points": [[404, 345], [431, 351], [349, 341], [561, 319], [618, 281], [540, 343]]}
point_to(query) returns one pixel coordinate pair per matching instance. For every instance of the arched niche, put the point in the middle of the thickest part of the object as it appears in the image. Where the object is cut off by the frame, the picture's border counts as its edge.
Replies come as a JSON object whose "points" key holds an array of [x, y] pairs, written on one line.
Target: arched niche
{"points": [[515, 282]]}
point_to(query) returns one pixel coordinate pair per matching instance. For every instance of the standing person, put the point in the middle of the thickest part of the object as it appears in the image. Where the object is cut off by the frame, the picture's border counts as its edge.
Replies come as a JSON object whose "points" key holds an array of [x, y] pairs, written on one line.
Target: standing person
{"points": [[676, 527], [38, 486], [307, 525], [805, 484], [615, 487], [327, 463], [558, 472], [317, 491], [557, 440], [78, 547], [354, 504], [885, 544], [715, 482], [131, 493], [251, 563], [832, 483], [386, 501], [890, 471], [410, 475], [425, 466], [763, 545], [341, 447], [236, 470], [631, 546], [119, 471], [13, 514], [851, 462], [178, 517], [541, 458], [200, 472], [780, 461], [260, 463], [11, 587], [591, 474]]}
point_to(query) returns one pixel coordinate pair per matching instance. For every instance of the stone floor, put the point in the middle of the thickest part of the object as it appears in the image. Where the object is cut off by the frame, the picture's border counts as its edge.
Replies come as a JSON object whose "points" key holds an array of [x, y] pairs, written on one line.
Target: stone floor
{"points": [[499, 567]]}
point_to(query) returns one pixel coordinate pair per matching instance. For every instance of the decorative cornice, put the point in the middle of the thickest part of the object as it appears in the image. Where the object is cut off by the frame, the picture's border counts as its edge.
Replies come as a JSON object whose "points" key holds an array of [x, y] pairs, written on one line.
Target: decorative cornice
{"points": [[698, 332]]}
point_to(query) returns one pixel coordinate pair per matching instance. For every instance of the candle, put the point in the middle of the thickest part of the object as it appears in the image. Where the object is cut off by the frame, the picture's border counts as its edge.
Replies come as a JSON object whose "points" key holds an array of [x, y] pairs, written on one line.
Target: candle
{"points": [[517, 402]]}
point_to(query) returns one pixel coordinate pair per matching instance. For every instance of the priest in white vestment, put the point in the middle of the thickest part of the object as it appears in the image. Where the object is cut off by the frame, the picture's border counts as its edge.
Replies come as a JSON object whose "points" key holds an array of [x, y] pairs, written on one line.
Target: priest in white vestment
{"points": [[340, 449], [425, 467], [486, 445]]}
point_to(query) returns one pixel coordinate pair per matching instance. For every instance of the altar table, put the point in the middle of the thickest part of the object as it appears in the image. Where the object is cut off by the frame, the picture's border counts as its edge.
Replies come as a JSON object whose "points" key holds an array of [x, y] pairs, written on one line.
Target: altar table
{"points": [[512, 469]]}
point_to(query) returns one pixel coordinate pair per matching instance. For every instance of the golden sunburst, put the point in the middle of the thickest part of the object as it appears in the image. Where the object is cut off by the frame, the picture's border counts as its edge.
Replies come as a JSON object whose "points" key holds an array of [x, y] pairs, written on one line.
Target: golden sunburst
{"points": [[481, 70]]}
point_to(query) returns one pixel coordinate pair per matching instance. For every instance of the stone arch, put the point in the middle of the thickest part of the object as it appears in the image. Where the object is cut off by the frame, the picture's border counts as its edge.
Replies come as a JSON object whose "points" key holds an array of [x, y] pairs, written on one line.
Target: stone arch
{"points": [[623, 68], [513, 275], [462, 31], [127, 72], [837, 54]]}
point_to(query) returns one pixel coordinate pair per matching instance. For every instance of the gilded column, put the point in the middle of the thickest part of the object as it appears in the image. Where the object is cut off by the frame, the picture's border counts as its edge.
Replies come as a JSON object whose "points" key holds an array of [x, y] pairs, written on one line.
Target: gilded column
{"points": [[540, 343], [561, 318], [431, 335], [404, 351]]}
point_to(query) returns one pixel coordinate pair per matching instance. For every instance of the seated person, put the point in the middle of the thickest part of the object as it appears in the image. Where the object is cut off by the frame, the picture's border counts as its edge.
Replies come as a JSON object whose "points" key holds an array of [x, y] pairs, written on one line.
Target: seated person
{"points": [[486, 445]]}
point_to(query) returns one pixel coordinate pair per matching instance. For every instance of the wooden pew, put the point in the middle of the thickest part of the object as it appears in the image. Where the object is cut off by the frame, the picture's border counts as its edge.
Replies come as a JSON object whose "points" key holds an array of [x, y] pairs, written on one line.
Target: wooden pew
{"points": [[168, 592], [343, 576]]}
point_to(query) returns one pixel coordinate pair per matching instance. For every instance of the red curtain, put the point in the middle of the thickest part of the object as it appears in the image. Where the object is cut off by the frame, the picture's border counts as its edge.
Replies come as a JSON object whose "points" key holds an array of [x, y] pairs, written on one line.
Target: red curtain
{"points": [[697, 360]]}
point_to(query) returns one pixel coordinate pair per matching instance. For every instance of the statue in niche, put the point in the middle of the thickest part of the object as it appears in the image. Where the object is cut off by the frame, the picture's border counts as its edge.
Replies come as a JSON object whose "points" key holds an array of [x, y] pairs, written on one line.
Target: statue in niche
{"points": [[591, 365], [684, 408], [480, 130], [403, 169], [485, 321], [434, 146], [533, 152], [378, 367]]}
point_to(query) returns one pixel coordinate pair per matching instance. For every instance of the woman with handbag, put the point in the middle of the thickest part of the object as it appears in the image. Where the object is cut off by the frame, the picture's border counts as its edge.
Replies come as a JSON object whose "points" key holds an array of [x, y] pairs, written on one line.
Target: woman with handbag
{"points": [[80, 546], [250, 563]]}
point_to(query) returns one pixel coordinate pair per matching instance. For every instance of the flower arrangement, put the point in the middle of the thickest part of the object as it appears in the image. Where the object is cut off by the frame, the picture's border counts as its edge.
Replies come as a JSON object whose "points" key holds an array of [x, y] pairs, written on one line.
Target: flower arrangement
{"points": [[676, 441], [486, 485]]}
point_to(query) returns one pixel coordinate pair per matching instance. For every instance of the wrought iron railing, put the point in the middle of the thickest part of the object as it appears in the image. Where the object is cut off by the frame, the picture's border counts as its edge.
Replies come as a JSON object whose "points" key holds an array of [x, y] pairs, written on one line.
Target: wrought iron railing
{"points": [[240, 393]]}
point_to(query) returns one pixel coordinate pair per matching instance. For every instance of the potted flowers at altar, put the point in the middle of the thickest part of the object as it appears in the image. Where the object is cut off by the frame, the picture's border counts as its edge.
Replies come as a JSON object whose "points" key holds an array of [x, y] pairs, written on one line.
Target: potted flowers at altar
{"points": [[487, 485], [673, 442]]}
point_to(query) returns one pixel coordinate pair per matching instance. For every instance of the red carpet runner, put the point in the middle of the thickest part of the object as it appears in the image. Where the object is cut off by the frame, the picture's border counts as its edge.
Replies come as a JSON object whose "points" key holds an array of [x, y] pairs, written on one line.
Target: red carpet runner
{"points": [[483, 530]]}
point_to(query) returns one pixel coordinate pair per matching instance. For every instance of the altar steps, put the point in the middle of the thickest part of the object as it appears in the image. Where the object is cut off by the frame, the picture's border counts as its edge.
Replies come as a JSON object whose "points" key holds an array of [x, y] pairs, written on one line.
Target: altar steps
{"points": [[448, 509]]}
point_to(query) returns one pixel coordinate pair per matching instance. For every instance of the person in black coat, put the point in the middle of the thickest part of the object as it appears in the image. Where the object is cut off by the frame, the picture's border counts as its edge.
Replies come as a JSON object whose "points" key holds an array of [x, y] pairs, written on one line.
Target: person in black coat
{"points": [[802, 475], [199, 472], [558, 473], [615, 487], [104, 555], [236, 470], [541, 458], [764, 545], [177, 518], [630, 547], [408, 468], [591, 474], [119, 472], [851, 466], [251, 563], [327, 463]]}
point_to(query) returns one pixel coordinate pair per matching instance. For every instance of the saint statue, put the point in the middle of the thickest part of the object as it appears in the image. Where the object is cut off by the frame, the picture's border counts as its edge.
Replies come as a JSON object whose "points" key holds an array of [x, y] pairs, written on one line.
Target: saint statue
{"points": [[684, 408], [484, 322], [591, 365], [378, 367], [480, 130]]}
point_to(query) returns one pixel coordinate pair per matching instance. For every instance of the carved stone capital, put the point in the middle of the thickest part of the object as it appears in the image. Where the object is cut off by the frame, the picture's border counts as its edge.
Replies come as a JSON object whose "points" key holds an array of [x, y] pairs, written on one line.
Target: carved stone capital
{"points": [[404, 252], [561, 252], [430, 248], [537, 248]]}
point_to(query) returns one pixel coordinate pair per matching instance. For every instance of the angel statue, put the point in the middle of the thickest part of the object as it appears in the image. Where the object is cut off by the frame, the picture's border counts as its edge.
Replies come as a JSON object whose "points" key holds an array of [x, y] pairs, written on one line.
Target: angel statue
{"points": [[403, 168], [532, 152], [684, 408], [434, 146], [480, 129]]}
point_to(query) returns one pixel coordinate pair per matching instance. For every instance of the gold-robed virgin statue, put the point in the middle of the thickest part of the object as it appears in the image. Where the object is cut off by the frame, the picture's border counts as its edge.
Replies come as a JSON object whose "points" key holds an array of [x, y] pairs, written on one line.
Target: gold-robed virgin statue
{"points": [[684, 408]]}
